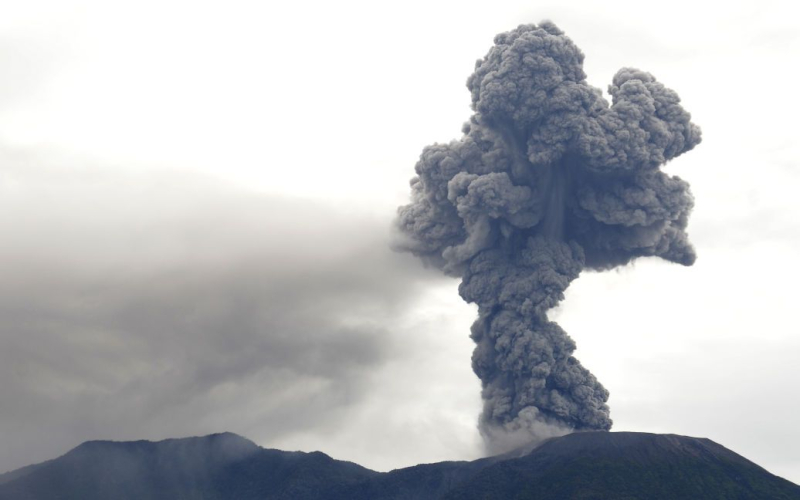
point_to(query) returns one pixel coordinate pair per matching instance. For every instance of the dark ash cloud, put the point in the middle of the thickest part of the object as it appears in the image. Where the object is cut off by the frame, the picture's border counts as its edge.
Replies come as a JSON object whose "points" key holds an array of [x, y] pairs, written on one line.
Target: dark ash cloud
{"points": [[548, 179]]}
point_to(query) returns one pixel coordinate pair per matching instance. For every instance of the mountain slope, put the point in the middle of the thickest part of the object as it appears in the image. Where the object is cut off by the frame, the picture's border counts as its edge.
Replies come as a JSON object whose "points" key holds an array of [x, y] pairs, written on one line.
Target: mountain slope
{"points": [[626, 465], [174, 468], [620, 465], [219, 466]]}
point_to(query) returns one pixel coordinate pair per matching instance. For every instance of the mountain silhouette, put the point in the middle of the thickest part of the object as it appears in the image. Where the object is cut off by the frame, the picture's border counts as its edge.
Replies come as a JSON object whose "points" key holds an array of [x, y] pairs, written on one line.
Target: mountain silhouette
{"points": [[584, 465]]}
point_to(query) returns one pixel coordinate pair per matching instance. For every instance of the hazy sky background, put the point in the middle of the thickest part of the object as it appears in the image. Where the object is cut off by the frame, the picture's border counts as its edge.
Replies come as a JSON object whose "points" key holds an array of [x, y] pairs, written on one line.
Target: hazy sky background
{"points": [[195, 201]]}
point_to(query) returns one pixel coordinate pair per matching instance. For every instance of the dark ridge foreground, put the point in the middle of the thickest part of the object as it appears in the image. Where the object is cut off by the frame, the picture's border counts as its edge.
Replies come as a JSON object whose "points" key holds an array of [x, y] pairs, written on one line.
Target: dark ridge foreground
{"points": [[587, 465]]}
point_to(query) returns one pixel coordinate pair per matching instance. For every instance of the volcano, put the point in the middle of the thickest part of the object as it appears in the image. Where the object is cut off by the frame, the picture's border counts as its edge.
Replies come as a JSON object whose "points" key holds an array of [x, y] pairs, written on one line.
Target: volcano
{"points": [[619, 465]]}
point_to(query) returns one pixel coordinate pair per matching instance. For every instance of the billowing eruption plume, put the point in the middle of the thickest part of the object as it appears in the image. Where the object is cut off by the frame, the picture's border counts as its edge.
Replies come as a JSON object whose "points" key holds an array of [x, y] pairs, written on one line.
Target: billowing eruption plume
{"points": [[547, 180]]}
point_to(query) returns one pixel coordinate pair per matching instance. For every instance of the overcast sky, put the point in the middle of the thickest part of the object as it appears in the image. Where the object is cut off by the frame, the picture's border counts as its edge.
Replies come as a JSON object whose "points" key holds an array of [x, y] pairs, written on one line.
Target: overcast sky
{"points": [[195, 210]]}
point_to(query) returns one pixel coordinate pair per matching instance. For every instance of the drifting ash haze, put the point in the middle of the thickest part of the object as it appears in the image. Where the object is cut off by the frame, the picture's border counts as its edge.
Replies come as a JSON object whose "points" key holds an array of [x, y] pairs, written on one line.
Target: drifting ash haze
{"points": [[547, 180]]}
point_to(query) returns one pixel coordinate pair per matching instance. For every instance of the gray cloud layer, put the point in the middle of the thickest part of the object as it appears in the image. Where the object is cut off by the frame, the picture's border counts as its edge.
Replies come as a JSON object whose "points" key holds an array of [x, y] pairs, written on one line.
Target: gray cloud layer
{"points": [[136, 306]]}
